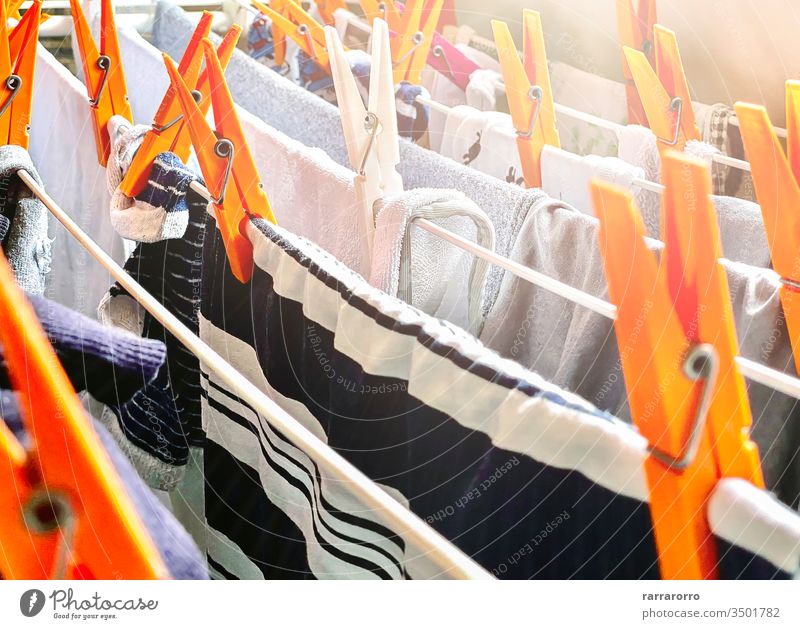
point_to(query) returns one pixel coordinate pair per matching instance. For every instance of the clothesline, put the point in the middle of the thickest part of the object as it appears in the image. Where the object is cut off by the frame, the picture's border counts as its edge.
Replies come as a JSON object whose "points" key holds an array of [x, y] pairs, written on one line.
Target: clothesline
{"points": [[490, 45], [598, 122], [777, 380], [452, 561]]}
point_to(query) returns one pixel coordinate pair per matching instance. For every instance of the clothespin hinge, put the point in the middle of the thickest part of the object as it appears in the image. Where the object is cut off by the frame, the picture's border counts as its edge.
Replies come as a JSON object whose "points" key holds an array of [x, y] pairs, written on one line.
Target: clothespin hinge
{"points": [[536, 94], [676, 105], [224, 149], [198, 97], [13, 82], [104, 64], [371, 125], [417, 38], [701, 363]]}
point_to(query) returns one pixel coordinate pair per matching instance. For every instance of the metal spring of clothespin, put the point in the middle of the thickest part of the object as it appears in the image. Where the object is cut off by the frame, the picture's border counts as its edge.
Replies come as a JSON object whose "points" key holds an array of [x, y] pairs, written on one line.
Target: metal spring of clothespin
{"points": [[701, 364], [438, 52], [371, 126], [49, 511], [535, 94], [198, 98], [676, 105], [13, 83], [417, 39]]}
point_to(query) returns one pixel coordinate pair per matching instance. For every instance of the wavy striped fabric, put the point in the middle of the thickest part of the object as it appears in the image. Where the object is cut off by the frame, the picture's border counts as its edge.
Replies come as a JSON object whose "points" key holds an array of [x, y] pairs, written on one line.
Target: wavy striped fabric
{"points": [[529, 480]]}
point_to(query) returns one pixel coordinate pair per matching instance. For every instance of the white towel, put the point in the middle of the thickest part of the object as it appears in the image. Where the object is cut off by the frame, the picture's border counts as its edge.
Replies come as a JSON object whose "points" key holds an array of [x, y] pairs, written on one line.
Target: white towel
{"points": [[424, 270], [567, 176]]}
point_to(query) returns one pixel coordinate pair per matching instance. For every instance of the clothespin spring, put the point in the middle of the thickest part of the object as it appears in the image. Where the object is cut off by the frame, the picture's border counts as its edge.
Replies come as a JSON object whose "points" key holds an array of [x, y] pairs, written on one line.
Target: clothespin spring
{"points": [[305, 32], [197, 98], [536, 95], [417, 38], [104, 63], [676, 105], [701, 363], [438, 52], [13, 82], [47, 511], [371, 126], [224, 148]]}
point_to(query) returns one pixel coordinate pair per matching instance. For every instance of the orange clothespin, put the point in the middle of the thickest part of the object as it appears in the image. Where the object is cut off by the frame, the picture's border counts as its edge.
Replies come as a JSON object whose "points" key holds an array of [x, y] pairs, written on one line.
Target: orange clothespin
{"points": [[677, 343], [17, 69], [327, 8], [635, 22], [103, 73], [12, 9], [291, 19], [225, 160], [53, 497], [384, 9], [168, 131], [412, 38], [664, 91], [530, 96], [776, 176]]}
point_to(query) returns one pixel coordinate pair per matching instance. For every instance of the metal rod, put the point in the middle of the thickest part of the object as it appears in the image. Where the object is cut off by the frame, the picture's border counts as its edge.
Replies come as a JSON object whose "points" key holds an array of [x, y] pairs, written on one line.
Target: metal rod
{"points": [[784, 383], [453, 562]]}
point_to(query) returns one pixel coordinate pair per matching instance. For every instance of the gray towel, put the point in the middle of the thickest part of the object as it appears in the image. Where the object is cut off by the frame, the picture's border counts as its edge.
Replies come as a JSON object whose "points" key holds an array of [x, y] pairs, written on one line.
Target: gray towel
{"points": [[25, 244], [576, 349]]}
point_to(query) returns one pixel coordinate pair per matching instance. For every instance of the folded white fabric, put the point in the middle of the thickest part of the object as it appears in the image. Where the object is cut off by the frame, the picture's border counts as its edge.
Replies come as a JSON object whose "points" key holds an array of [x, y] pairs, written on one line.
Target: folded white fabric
{"points": [[424, 270]]}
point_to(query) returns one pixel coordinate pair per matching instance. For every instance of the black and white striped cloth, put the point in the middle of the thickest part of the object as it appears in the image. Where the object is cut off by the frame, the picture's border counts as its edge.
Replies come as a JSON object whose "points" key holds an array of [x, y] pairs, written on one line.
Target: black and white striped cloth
{"points": [[529, 480]]}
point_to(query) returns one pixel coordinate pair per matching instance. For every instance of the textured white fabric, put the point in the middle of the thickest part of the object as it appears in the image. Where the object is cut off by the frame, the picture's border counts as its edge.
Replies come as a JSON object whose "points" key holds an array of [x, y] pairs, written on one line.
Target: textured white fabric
{"points": [[740, 223], [567, 176], [483, 88], [62, 148], [587, 92], [424, 270]]}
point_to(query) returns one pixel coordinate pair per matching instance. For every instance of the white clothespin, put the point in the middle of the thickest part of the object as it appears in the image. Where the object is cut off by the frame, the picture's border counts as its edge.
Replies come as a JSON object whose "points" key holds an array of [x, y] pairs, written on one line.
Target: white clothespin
{"points": [[370, 133]]}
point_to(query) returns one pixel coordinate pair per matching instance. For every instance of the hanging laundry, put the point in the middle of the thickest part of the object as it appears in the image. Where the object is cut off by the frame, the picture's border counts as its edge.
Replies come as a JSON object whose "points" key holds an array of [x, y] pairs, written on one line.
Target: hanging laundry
{"points": [[109, 363], [585, 91], [309, 120], [485, 84], [567, 176], [718, 131], [575, 348], [317, 202], [162, 422], [483, 140], [260, 43], [75, 280], [477, 442], [23, 222], [423, 270], [740, 223], [178, 552]]}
